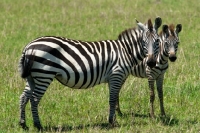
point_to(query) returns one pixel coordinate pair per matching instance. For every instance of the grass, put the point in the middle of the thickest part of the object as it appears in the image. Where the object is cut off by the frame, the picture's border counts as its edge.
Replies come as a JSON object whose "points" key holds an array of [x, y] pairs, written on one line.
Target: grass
{"points": [[68, 110]]}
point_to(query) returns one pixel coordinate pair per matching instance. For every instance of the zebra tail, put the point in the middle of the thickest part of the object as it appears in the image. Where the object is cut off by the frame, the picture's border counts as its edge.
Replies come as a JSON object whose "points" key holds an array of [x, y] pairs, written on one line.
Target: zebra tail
{"points": [[25, 65]]}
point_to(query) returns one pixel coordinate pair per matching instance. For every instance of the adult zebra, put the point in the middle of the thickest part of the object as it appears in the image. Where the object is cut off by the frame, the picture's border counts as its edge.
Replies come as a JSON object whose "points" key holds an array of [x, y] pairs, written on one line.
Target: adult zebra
{"points": [[168, 48], [79, 64]]}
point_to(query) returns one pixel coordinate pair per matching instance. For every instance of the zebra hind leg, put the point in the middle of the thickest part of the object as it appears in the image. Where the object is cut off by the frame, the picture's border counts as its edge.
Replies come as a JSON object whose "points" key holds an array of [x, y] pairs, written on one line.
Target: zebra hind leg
{"points": [[34, 108], [23, 101], [40, 88], [24, 98]]}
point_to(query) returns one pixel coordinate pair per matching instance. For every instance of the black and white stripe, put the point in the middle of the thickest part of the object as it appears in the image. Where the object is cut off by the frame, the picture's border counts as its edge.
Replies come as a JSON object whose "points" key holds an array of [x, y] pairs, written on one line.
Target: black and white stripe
{"points": [[168, 48], [80, 64]]}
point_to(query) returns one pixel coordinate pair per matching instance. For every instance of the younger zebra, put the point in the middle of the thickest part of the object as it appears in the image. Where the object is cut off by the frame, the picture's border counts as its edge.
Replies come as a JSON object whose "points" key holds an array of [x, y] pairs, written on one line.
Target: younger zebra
{"points": [[168, 48], [79, 64]]}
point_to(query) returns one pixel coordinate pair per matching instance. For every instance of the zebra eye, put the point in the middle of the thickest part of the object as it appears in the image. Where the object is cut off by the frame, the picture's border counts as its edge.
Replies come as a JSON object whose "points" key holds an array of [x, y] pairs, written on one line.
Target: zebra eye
{"points": [[143, 42]]}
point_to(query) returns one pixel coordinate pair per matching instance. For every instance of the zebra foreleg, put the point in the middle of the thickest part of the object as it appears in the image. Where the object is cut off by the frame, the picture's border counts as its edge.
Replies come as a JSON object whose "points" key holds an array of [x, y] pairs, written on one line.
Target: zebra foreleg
{"points": [[114, 89], [159, 84], [117, 108], [152, 98], [112, 103]]}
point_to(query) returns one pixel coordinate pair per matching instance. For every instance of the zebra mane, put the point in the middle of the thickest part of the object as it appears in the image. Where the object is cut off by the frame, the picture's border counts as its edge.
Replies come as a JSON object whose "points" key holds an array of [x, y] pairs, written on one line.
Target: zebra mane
{"points": [[150, 25], [171, 29], [125, 33], [160, 33]]}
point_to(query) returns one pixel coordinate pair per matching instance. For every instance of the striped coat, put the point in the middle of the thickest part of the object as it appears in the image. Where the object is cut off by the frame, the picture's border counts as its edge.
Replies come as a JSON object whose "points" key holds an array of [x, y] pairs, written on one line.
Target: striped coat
{"points": [[80, 64], [168, 49]]}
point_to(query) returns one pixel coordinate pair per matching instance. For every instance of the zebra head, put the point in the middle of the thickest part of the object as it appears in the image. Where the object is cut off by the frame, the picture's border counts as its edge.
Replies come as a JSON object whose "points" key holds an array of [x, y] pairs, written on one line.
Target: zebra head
{"points": [[171, 40], [150, 40]]}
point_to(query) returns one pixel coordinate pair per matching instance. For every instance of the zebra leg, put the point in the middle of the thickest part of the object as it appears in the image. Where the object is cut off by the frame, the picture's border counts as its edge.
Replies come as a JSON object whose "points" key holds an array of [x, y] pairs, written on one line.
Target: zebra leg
{"points": [[40, 88], [24, 98], [34, 108], [152, 98], [117, 108], [159, 83], [114, 89], [23, 101]]}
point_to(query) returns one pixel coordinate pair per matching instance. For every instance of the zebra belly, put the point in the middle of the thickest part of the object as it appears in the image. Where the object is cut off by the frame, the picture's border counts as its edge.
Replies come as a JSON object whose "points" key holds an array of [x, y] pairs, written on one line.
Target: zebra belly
{"points": [[67, 77], [78, 82], [82, 78]]}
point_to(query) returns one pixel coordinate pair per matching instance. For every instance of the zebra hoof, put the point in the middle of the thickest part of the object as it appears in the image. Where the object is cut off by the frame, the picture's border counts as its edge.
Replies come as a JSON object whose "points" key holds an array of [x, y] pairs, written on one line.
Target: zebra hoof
{"points": [[112, 121], [113, 125], [23, 125], [38, 126]]}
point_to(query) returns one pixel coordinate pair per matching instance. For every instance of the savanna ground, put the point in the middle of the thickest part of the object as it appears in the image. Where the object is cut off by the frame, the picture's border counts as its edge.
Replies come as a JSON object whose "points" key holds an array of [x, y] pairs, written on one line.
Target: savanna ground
{"points": [[68, 110]]}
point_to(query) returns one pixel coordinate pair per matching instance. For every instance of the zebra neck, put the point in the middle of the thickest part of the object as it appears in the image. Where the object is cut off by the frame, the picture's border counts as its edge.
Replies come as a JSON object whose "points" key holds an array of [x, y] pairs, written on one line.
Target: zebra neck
{"points": [[132, 50]]}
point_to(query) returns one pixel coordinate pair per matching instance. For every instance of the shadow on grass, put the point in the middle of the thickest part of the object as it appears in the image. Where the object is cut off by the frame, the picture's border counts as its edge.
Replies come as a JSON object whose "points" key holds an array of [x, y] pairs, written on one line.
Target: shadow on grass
{"points": [[126, 115], [167, 120], [65, 128]]}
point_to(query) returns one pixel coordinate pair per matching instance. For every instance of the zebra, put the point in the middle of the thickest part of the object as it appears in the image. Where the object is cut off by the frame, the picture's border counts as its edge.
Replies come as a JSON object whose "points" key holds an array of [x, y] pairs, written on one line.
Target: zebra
{"points": [[168, 49], [80, 64]]}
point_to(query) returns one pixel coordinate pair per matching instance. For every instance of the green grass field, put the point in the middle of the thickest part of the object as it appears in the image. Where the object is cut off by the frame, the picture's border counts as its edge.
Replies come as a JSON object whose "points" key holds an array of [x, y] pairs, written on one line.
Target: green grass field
{"points": [[67, 110]]}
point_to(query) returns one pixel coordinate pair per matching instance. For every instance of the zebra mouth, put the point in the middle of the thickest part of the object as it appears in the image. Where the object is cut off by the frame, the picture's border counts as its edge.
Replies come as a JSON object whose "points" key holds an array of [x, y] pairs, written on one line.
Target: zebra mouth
{"points": [[151, 63], [172, 56]]}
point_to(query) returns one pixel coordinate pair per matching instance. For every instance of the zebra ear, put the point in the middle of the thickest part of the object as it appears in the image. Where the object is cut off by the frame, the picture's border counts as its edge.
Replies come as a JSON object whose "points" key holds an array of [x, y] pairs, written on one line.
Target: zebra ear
{"points": [[165, 29], [140, 25], [178, 28], [158, 22]]}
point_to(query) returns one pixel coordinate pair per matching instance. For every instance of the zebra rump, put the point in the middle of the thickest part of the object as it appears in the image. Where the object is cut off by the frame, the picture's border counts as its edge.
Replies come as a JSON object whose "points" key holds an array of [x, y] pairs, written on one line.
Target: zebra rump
{"points": [[25, 66]]}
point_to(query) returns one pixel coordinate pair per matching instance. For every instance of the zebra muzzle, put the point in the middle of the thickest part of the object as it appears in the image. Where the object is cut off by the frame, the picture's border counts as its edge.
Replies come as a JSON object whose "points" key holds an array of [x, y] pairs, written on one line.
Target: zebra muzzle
{"points": [[151, 62], [172, 57]]}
